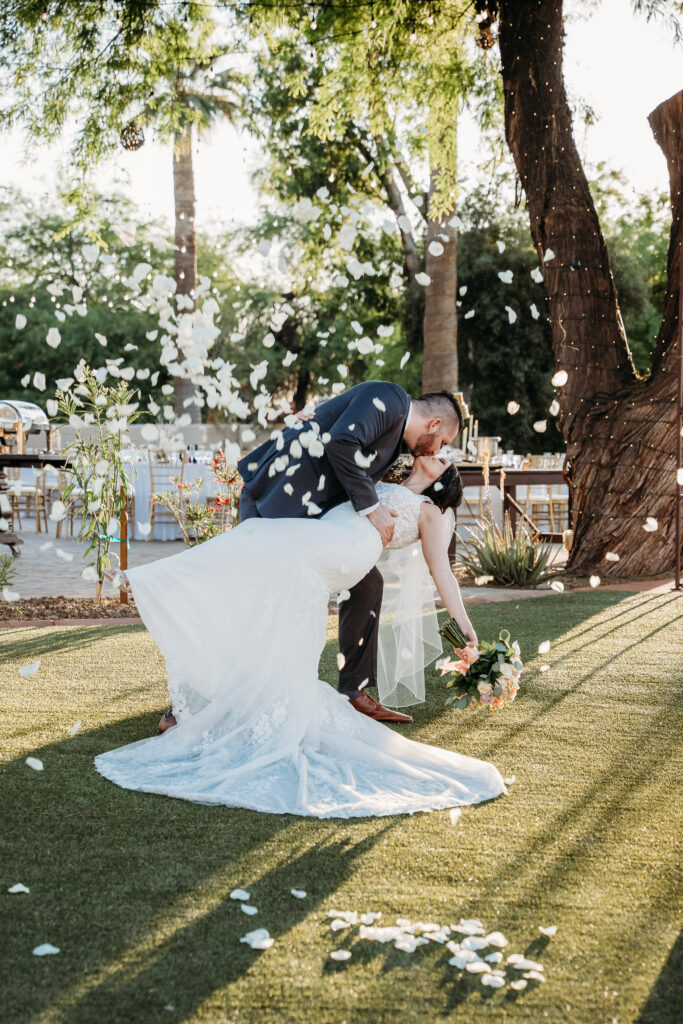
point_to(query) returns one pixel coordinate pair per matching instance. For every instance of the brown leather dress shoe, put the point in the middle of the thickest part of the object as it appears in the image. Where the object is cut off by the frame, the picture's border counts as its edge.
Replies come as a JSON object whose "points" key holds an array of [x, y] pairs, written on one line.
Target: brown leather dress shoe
{"points": [[367, 705], [167, 721]]}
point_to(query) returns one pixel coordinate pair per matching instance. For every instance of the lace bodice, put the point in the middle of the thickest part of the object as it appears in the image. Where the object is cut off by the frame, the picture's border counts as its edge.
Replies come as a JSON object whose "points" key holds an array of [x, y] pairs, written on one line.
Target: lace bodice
{"points": [[406, 504]]}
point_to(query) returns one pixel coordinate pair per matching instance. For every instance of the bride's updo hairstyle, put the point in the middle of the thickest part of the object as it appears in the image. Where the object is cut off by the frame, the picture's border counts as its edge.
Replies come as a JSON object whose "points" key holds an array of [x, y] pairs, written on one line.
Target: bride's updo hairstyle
{"points": [[446, 492]]}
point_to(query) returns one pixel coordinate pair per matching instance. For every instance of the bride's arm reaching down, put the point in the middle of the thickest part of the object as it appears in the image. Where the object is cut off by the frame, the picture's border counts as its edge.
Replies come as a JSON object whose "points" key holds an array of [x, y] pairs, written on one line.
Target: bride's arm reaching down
{"points": [[435, 550]]}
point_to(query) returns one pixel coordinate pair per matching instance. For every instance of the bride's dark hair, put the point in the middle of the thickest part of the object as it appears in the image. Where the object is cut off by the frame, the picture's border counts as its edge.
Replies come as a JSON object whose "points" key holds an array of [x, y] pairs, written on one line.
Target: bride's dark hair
{"points": [[446, 492]]}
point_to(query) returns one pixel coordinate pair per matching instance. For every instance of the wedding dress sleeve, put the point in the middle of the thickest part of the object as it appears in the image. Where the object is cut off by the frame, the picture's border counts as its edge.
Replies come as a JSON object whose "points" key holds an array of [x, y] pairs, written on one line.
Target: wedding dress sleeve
{"points": [[409, 637]]}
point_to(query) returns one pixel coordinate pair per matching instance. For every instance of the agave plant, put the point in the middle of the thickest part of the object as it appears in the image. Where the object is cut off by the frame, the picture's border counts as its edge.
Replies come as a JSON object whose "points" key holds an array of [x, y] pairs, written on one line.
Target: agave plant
{"points": [[512, 557]]}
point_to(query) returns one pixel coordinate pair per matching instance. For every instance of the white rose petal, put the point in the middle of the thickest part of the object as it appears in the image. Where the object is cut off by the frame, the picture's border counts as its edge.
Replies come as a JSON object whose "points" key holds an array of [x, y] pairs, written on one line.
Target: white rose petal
{"points": [[39, 381], [510, 781], [246, 908], [19, 887], [650, 524], [58, 511], [559, 379], [54, 338], [258, 939], [540, 426], [679, 477], [144, 529], [518, 985], [505, 276], [554, 407], [493, 981], [512, 316], [549, 931], [25, 379], [477, 967], [10, 595], [35, 763], [52, 407], [404, 359], [379, 404], [435, 248], [612, 556], [557, 585], [501, 246], [423, 279], [544, 647], [534, 976], [340, 954], [594, 581], [493, 958], [29, 670], [75, 727], [469, 314], [454, 815], [47, 949], [544, 668], [20, 321], [549, 255], [513, 408], [338, 924], [537, 275], [534, 311], [364, 461], [239, 894], [300, 894], [496, 939]]}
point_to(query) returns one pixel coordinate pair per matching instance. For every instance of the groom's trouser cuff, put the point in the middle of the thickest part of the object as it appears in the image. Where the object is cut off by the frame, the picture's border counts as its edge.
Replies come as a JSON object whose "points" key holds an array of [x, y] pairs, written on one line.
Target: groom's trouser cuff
{"points": [[358, 634]]}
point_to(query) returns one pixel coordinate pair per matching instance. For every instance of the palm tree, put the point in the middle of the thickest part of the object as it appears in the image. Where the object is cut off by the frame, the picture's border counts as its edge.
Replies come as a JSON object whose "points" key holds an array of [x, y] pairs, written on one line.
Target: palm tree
{"points": [[188, 96]]}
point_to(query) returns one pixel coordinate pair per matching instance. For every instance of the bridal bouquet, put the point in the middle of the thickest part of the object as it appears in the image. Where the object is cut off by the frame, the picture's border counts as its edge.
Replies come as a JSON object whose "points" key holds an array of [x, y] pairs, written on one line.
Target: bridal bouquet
{"points": [[486, 676]]}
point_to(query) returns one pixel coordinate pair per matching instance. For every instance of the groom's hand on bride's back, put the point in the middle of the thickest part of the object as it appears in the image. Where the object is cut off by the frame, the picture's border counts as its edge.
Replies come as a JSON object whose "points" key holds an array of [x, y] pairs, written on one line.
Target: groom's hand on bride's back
{"points": [[383, 521]]}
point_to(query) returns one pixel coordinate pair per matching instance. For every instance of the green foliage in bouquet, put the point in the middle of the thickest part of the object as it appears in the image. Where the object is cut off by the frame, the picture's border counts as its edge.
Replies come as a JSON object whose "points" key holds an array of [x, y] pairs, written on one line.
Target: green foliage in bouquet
{"points": [[486, 676], [512, 557]]}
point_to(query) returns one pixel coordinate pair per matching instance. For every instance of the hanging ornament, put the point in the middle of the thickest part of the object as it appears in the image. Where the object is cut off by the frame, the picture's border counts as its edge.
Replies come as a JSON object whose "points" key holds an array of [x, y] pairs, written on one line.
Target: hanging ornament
{"points": [[132, 136]]}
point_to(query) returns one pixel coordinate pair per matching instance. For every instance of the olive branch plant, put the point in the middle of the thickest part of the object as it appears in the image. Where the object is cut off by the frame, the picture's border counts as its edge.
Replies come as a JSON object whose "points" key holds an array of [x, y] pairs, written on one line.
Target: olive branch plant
{"points": [[97, 471]]}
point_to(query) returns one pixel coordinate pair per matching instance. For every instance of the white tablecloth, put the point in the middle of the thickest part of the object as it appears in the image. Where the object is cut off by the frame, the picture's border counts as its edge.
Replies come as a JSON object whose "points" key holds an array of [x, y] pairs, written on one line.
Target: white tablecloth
{"points": [[141, 484]]}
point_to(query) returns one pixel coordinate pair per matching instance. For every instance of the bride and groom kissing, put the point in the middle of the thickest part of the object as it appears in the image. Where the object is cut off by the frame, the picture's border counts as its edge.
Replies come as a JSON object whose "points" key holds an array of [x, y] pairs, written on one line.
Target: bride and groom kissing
{"points": [[241, 622]]}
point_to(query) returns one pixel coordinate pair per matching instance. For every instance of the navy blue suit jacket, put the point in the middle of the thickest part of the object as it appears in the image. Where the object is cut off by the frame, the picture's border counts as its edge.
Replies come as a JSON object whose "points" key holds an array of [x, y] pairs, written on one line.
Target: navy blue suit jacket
{"points": [[339, 455]]}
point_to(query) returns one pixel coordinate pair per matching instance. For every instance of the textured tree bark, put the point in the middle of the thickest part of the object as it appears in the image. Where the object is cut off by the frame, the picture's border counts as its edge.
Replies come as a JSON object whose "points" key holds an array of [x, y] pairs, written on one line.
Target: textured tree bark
{"points": [[619, 426], [440, 324], [186, 248]]}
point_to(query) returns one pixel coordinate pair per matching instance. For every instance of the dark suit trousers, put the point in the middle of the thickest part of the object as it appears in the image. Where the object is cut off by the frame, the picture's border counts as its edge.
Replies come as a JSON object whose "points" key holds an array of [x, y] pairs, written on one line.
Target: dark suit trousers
{"points": [[358, 623]]}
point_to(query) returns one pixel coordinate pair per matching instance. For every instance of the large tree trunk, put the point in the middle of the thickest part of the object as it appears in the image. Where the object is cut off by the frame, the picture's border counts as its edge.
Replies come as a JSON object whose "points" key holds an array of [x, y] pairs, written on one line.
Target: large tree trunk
{"points": [[619, 426], [185, 248], [440, 325]]}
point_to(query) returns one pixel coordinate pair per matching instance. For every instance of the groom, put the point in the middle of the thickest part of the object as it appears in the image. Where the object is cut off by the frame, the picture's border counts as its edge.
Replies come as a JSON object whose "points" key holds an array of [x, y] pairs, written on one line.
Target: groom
{"points": [[338, 455]]}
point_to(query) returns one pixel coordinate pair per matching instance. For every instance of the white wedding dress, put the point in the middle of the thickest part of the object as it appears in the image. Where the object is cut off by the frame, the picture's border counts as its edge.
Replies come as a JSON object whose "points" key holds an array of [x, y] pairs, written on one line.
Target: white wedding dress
{"points": [[241, 622]]}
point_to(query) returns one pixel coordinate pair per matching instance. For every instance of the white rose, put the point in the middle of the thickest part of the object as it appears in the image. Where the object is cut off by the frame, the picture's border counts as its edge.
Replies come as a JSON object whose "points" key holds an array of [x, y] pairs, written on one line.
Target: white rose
{"points": [[484, 688]]}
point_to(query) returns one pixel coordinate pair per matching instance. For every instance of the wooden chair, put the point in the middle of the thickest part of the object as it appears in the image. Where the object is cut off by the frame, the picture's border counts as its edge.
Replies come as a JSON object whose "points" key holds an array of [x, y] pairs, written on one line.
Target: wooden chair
{"points": [[28, 498], [161, 470], [544, 504]]}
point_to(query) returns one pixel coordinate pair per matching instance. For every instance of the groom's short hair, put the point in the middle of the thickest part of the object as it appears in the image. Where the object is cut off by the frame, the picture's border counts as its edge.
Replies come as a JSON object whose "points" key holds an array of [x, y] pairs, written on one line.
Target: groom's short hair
{"points": [[442, 405]]}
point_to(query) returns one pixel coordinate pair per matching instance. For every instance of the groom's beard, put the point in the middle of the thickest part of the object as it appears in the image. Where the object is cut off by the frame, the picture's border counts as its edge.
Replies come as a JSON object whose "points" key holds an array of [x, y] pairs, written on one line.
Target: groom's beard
{"points": [[426, 444]]}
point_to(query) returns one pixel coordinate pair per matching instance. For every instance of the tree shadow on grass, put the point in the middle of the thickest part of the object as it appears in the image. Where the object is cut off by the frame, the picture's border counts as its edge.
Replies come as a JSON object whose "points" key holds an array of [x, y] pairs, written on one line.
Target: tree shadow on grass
{"points": [[25, 643], [134, 888], [664, 1004]]}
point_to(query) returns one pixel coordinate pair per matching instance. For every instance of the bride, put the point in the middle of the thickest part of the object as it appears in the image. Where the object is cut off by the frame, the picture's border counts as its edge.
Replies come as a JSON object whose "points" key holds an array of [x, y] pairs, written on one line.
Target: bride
{"points": [[241, 622]]}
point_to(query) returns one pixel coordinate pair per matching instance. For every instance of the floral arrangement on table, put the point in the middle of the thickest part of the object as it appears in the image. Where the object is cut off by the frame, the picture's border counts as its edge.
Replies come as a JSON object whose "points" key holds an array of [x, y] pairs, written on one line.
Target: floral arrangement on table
{"points": [[485, 676], [201, 520]]}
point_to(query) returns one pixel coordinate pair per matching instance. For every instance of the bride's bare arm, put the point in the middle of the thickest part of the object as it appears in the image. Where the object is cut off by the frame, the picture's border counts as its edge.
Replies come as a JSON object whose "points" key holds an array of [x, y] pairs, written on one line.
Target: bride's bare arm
{"points": [[435, 550]]}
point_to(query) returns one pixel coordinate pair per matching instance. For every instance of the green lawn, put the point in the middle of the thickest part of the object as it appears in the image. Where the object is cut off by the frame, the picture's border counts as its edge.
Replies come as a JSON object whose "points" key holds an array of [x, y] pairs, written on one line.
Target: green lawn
{"points": [[134, 888]]}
